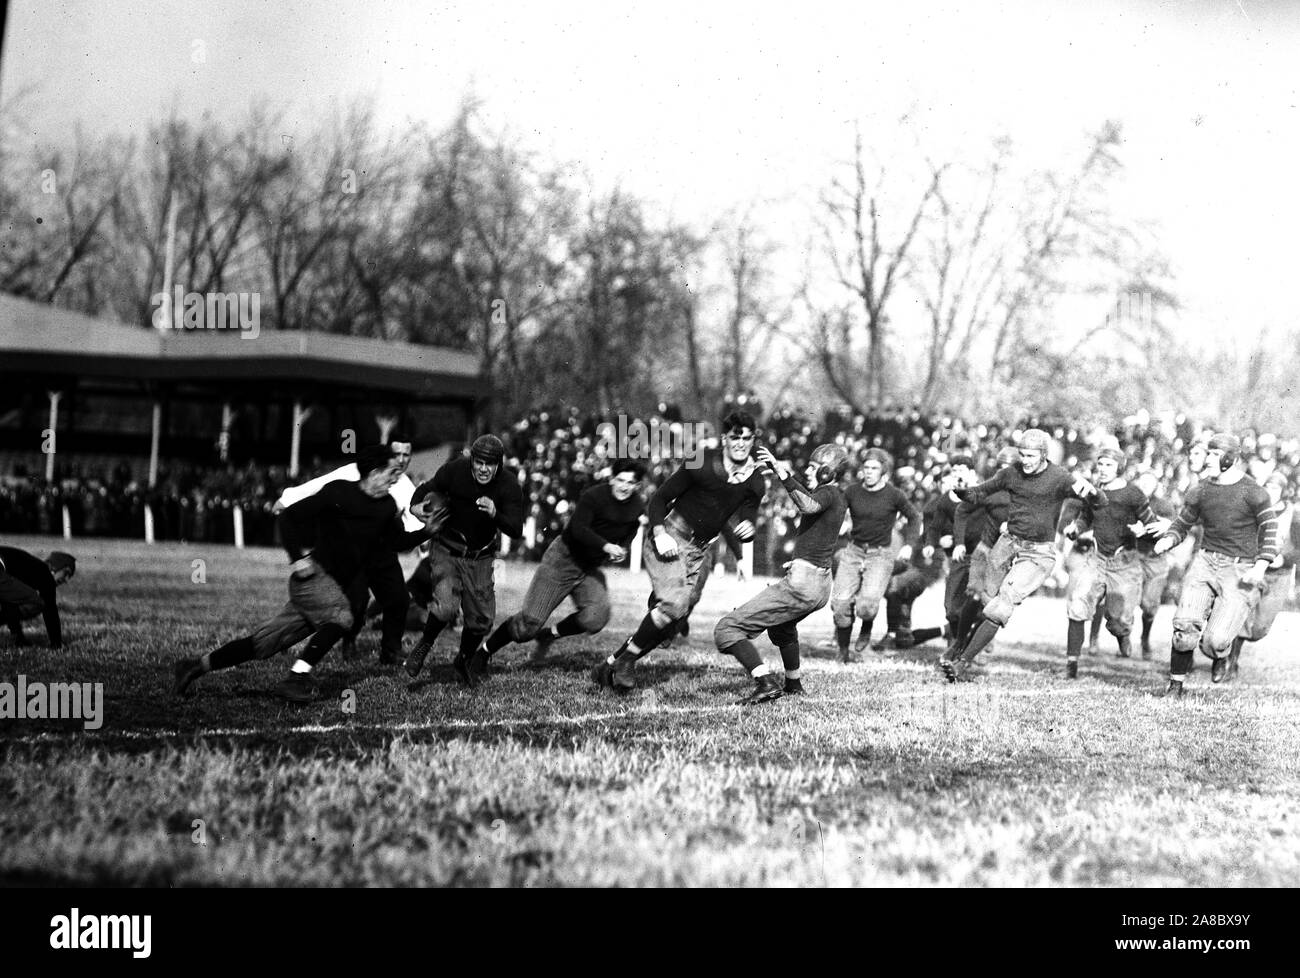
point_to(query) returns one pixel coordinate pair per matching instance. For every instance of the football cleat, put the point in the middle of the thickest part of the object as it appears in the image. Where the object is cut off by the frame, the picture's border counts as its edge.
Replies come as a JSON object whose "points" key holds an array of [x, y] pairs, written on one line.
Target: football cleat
{"points": [[478, 663], [602, 674], [186, 671], [766, 688], [415, 658], [298, 688], [622, 674], [1173, 691], [1072, 669], [1219, 669], [793, 687], [545, 639], [461, 666]]}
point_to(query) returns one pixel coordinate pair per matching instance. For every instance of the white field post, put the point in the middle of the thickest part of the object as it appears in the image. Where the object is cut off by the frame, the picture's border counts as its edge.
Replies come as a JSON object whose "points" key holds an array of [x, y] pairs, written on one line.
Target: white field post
{"points": [[238, 513], [54, 433], [154, 439], [747, 559], [148, 523], [530, 531], [227, 419], [300, 415], [638, 541], [67, 523]]}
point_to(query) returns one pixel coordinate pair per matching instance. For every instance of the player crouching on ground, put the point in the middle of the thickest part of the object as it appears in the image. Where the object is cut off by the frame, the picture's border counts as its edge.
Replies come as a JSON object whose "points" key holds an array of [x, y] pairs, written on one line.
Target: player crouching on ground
{"points": [[602, 525], [331, 537], [483, 500], [1111, 570], [1223, 582], [806, 586], [27, 589], [1037, 489], [686, 515]]}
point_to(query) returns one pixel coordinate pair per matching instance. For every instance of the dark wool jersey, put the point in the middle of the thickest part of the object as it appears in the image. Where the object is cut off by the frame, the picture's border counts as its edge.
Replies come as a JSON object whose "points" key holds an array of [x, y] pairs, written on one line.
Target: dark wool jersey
{"points": [[941, 518], [1110, 524], [344, 529], [1239, 519], [705, 499], [815, 538], [874, 513], [36, 574], [468, 526], [1162, 509], [1036, 500], [599, 519], [982, 522]]}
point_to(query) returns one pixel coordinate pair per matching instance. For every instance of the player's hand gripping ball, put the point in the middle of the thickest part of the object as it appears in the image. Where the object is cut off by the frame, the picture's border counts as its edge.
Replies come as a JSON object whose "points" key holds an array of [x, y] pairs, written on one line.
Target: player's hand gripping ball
{"points": [[432, 510]]}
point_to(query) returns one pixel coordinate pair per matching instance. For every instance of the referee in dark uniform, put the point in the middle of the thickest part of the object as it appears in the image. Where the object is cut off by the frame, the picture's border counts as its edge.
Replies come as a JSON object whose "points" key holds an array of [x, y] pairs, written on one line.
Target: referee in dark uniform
{"points": [[484, 500]]}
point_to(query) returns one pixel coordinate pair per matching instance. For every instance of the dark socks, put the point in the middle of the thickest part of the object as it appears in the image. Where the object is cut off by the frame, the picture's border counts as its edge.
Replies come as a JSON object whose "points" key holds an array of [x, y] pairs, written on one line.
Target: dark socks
{"points": [[432, 629], [983, 635], [232, 654], [1147, 622], [1095, 631], [569, 626], [648, 635], [922, 635], [970, 618], [499, 639], [1074, 639], [1180, 663], [747, 655], [469, 641], [842, 636], [322, 642], [790, 656]]}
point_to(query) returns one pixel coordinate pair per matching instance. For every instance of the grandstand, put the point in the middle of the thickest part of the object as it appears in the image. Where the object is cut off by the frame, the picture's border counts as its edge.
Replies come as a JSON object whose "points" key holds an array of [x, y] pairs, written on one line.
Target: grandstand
{"points": [[115, 393]]}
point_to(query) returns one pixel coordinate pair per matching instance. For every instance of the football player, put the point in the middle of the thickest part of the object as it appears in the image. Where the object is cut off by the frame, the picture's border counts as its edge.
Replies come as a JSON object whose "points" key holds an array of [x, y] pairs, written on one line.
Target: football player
{"points": [[1110, 571], [866, 563], [806, 587], [1037, 489], [603, 523], [1279, 579], [1223, 582], [330, 537], [384, 577], [686, 515], [483, 500], [27, 589]]}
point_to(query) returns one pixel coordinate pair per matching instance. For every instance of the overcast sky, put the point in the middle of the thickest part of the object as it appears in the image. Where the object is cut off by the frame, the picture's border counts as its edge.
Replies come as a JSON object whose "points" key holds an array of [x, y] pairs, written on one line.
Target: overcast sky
{"points": [[701, 106]]}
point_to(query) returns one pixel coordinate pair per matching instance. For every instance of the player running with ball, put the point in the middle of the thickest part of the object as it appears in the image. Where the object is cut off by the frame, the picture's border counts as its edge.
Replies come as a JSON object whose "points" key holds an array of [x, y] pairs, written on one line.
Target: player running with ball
{"points": [[806, 586], [686, 515]]}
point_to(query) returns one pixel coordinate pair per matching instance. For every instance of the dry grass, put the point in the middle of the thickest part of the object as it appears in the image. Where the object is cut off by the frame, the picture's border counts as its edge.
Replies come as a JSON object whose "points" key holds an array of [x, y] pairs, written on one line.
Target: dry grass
{"points": [[883, 775]]}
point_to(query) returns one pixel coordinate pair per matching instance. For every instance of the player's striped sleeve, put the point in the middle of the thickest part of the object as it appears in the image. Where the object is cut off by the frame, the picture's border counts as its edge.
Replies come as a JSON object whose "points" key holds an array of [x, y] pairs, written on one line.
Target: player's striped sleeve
{"points": [[1266, 517]]}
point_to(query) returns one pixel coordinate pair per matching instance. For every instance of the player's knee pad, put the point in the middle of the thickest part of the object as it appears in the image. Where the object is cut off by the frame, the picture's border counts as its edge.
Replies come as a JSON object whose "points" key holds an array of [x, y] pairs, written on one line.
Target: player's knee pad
{"points": [[524, 628], [593, 618], [673, 610], [867, 609], [842, 613], [998, 610], [1187, 636]]}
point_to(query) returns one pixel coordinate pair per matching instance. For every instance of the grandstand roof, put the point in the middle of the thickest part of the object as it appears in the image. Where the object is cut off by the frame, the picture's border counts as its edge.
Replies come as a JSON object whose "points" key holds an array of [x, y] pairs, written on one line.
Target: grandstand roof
{"points": [[43, 340]]}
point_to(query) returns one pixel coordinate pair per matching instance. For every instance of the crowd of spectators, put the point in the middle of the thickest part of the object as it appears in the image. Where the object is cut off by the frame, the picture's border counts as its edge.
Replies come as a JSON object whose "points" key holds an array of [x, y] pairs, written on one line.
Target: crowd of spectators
{"points": [[561, 452]]}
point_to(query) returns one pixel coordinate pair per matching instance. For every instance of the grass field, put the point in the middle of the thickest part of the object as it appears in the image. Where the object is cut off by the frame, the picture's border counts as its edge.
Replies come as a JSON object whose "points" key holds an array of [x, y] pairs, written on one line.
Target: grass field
{"points": [[883, 775]]}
